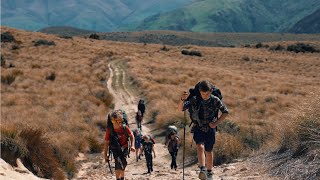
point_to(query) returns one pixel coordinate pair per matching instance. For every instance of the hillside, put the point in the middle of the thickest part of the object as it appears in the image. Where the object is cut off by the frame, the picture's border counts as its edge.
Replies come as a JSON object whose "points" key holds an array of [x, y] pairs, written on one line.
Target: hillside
{"points": [[95, 15], [232, 16], [179, 38], [65, 31], [309, 24], [61, 92]]}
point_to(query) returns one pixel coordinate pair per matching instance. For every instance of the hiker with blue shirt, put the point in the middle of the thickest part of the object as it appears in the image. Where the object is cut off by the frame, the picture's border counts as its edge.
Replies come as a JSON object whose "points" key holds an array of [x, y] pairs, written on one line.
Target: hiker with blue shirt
{"points": [[203, 108]]}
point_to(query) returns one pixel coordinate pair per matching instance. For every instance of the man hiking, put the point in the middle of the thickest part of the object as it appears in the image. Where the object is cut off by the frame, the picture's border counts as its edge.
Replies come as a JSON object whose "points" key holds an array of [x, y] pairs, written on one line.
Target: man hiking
{"points": [[203, 110], [117, 139]]}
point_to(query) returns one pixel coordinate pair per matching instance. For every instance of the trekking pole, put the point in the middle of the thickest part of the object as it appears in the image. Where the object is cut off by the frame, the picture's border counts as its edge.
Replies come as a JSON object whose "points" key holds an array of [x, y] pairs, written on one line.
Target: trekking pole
{"points": [[184, 141]]}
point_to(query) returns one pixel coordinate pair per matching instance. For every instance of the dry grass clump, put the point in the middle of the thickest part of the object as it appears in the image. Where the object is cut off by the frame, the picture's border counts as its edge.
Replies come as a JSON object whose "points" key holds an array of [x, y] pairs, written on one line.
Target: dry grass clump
{"points": [[297, 155], [33, 148], [56, 89], [256, 88]]}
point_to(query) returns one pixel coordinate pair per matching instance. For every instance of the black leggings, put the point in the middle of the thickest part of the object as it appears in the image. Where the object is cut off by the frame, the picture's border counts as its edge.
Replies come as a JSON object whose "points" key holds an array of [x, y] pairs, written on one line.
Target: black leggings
{"points": [[149, 161], [174, 159]]}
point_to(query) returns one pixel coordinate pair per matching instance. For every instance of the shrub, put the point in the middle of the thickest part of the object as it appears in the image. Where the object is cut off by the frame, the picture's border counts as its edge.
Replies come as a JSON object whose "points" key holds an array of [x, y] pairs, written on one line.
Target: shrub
{"points": [[94, 36], [245, 58], [8, 79], [191, 53], [40, 154], [51, 76], [227, 148], [66, 37], [15, 47], [277, 48], [95, 145], [104, 96], [229, 127], [301, 47], [3, 61], [259, 45], [44, 42], [164, 48], [7, 37]]}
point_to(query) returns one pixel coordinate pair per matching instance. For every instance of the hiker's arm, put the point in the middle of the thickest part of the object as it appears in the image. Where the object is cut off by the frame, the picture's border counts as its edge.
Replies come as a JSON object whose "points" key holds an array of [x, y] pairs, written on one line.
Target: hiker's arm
{"points": [[222, 117], [154, 153], [223, 108], [106, 147], [131, 139], [183, 98]]}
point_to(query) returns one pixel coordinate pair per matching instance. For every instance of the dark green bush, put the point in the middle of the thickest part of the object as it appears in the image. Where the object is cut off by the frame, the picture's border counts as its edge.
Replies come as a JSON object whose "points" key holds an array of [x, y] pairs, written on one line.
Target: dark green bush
{"points": [[301, 47], [41, 42], [7, 37]]}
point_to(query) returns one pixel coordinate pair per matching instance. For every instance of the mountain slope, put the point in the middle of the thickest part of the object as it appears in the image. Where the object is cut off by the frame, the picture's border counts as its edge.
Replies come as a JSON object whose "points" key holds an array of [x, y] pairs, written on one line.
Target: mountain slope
{"points": [[97, 15], [309, 24], [233, 16]]}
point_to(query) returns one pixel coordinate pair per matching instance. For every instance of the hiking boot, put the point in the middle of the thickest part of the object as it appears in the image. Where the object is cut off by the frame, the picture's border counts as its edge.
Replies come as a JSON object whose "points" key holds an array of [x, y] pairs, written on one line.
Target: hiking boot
{"points": [[209, 175], [203, 173]]}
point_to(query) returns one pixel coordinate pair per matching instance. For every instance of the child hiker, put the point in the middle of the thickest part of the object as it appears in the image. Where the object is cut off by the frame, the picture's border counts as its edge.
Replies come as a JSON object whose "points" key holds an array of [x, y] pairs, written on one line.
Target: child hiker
{"points": [[148, 148]]}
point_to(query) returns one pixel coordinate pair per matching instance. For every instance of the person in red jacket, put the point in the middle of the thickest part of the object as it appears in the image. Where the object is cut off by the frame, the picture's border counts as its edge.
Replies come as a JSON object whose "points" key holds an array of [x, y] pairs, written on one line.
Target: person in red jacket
{"points": [[117, 138]]}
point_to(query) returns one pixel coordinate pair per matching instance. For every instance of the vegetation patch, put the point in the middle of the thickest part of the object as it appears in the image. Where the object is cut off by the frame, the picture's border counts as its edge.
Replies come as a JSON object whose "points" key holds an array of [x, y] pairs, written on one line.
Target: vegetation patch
{"points": [[191, 53], [301, 47], [43, 42], [94, 36], [7, 37]]}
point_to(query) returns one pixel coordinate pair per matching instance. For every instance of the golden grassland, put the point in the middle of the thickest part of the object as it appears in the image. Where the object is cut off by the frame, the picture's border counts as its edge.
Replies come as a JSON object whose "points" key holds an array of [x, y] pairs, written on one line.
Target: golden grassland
{"points": [[258, 87]]}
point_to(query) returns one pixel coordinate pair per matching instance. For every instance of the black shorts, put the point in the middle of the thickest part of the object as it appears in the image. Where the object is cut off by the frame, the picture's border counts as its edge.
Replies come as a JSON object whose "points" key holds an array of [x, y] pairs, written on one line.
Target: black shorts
{"points": [[120, 160], [206, 138]]}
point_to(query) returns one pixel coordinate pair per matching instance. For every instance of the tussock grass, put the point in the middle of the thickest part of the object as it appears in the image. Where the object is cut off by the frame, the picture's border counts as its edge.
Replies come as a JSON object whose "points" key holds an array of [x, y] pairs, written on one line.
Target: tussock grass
{"points": [[257, 91]]}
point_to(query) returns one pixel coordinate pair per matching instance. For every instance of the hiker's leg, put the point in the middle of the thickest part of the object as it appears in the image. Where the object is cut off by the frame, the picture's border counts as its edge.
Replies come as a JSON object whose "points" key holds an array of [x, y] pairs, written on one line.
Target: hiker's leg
{"points": [[172, 159], [209, 160], [122, 174], [208, 146], [200, 153], [175, 159], [118, 173]]}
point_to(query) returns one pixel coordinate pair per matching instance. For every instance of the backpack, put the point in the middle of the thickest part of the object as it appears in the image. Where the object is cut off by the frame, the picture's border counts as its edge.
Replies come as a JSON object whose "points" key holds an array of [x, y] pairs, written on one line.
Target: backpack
{"points": [[171, 129], [151, 139], [125, 119], [194, 92], [139, 117], [114, 140]]}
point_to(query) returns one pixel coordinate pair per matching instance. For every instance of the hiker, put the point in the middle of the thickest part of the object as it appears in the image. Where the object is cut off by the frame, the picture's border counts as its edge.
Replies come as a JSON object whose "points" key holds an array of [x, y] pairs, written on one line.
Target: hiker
{"points": [[141, 106], [203, 111], [139, 119], [173, 143], [137, 143], [118, 137], [148, 148]]}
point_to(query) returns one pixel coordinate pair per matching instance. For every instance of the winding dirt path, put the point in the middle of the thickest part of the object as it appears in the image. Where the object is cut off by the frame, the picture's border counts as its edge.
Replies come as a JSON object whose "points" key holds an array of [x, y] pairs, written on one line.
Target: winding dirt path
{"points": [[94, 167]]}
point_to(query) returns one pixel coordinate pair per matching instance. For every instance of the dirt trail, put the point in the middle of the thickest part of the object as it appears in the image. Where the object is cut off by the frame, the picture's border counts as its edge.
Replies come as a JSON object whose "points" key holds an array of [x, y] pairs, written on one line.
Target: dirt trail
{"points": [[94, 167]]}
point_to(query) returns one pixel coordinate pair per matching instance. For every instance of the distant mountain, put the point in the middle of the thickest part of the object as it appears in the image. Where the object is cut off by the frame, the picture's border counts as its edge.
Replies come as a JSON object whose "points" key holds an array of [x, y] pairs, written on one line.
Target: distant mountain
{"points": [[182, 15], [97, 15], [309, 24], [233, 16]]}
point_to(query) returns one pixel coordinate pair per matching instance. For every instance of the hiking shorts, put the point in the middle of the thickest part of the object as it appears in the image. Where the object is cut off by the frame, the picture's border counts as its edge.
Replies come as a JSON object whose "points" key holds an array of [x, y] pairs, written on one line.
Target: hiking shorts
{"points": [[120, 160], [206, 138]]}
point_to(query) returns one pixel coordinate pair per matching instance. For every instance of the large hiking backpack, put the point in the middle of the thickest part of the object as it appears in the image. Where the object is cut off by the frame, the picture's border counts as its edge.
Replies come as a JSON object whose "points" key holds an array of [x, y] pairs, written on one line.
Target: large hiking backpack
{"points": [[125, 119], [195, 92], [114, 140], [171, 129]]}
